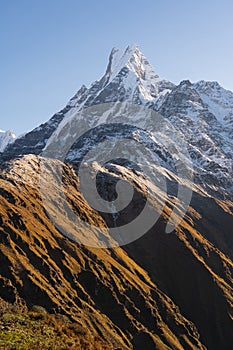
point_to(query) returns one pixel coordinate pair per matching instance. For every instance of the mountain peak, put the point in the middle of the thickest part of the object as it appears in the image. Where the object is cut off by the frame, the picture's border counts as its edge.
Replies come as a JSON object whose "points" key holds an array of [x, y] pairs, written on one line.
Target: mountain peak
{"points": [[6, 137], [132, 59]]}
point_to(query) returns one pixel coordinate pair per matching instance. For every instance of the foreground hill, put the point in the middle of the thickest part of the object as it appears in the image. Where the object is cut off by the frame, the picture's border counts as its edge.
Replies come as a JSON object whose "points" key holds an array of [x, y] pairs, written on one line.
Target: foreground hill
{"points": [[160, 292]]}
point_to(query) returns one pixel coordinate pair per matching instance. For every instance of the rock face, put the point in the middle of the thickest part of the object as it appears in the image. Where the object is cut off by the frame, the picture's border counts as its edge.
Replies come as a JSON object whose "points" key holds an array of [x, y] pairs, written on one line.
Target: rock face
{"points": [[160, 291]]}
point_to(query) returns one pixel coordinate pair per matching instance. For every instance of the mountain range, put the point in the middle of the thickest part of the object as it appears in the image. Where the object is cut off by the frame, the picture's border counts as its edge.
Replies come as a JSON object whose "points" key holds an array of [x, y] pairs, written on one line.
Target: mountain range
{"points": [[202, 112]]}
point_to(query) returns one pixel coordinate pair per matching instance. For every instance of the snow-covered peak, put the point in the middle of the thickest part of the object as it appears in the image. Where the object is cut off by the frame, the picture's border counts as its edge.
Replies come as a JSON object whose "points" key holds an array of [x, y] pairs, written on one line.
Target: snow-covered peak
{"points": [[137, 76], [134, 60], [218, 100], [128, 77], [6, 137]]}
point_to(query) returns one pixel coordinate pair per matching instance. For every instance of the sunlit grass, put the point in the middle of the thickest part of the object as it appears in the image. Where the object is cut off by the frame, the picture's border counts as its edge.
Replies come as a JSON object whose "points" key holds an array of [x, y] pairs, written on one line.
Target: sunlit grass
{"points": [[21, 329]]}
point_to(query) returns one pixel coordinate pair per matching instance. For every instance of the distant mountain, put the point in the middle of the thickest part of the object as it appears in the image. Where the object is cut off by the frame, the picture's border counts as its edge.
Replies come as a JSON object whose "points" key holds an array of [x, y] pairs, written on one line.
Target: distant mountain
{"points": [[6, 137], [202, 112]]}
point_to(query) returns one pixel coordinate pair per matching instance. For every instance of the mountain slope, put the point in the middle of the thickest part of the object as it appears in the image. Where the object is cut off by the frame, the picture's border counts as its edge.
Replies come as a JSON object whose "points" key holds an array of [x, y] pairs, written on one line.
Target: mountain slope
{"points": [[122, 297], [105, 290]]}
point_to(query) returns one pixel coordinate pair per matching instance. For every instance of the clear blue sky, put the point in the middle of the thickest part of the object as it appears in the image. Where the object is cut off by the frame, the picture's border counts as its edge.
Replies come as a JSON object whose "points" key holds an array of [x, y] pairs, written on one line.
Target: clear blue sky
{"points": [[51, 47]]}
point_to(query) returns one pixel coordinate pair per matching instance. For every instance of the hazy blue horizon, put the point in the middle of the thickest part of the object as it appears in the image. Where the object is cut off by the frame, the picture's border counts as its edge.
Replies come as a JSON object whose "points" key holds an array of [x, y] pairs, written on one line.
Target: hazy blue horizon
{"points": [[49, 49]]}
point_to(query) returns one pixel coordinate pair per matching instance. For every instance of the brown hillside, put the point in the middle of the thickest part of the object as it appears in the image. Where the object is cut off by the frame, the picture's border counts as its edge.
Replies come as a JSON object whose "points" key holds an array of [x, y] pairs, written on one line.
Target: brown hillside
{"points": [[161, 292]]}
